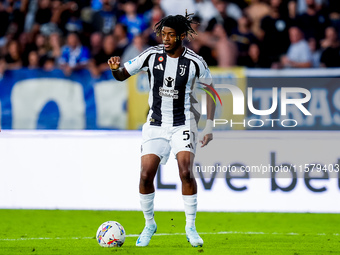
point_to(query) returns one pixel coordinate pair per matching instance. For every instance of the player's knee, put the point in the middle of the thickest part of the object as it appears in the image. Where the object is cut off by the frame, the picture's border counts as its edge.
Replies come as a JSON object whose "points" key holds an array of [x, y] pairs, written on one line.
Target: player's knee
{"points": [[184, 171], [185, 175], [146, 177]]}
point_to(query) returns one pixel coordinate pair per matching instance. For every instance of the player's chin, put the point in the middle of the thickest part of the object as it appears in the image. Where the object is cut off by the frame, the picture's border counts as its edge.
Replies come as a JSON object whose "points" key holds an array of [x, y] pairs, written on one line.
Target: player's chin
{"points": [[169, 49]]}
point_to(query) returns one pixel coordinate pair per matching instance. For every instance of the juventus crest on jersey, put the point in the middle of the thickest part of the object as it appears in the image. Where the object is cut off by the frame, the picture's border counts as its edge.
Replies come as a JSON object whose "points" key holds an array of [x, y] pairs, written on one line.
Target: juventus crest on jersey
{"points": [[172, 98]]}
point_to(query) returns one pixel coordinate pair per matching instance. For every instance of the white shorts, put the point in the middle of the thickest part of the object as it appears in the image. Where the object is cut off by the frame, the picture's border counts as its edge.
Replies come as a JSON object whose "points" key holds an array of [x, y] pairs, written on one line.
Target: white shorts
{"points": [[161, 140]]}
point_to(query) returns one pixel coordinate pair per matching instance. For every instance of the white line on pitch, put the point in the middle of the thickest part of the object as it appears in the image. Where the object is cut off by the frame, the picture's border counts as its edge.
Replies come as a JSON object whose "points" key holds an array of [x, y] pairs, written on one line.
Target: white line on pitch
{"points": [[165, 234]]}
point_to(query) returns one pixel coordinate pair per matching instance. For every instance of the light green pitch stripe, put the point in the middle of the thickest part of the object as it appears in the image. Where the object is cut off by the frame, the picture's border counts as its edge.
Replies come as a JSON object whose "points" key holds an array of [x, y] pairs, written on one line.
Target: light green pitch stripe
{"points": [[209, 94]]}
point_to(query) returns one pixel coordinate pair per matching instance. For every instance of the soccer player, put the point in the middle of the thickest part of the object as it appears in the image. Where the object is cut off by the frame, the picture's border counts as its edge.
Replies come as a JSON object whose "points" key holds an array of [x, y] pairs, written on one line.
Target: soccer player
{"points": [[172, 120]]}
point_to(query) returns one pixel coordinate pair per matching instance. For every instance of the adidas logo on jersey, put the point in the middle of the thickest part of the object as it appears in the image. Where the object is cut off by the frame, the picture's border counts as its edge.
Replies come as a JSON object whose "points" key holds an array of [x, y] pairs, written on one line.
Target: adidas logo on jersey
{"points": [[159, 67]]}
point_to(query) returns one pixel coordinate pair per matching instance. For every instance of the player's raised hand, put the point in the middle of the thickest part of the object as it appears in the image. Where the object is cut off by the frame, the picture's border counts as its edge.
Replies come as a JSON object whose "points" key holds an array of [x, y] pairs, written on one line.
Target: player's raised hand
{"points": [[114, 63]]}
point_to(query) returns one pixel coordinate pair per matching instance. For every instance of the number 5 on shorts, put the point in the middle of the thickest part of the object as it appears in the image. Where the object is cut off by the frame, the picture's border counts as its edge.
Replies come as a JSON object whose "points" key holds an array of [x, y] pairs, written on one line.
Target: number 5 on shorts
{"points": [[186, 133]]}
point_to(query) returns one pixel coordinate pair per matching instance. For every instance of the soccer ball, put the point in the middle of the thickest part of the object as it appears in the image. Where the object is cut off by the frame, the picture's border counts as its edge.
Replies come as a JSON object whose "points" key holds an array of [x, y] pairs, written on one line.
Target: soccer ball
{"points": [[110, 234]]}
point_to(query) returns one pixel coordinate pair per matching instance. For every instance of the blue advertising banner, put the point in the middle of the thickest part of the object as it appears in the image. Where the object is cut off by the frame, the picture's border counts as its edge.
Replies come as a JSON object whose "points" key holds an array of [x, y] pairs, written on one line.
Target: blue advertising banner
{"points": [[35, 99]]}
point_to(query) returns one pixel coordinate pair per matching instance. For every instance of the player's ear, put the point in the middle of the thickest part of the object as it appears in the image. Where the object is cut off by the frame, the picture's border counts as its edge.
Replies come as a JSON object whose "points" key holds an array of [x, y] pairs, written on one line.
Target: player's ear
{"points": [[182, 36]]}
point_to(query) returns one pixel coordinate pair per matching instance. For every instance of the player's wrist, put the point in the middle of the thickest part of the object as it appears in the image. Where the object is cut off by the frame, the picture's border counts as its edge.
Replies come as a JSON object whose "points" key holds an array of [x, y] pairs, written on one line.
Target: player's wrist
{"points": [[208, 127], [114, 70]]}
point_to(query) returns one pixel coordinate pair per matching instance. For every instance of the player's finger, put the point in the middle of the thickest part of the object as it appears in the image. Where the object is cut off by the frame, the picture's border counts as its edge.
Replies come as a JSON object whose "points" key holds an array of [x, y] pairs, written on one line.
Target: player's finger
{"points": [[116, 60], [206, 139], [110, 61], [113, 60]]}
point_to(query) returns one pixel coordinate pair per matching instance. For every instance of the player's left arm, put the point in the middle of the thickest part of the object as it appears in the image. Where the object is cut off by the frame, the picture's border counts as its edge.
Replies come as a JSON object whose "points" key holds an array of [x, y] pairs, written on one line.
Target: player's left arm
{"points": [[207, 133]]}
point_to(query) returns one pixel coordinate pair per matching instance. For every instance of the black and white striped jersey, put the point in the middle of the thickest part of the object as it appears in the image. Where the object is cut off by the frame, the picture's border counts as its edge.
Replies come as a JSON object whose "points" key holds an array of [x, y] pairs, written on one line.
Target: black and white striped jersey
{"points": [[172, 97]]}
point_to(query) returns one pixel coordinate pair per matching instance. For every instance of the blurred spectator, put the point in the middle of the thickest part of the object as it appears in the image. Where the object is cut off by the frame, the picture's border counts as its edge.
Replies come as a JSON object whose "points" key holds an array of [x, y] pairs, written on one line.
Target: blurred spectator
{"points": [[206, 11], [316, 52], [134, 22], [3, 66], [156, 14], [56, 7], [33, 60], [233, 10], [29, 43], [200, 45], [47, 61], [331, 38], [313, 22], [330, 57], [96, 4], [74, 55], [253, 60], [291, 8], [68, 17], [224, 50], [55, 46], [302, 5], [41, 45], [30, 16], [84, 3], [256, 11], [72, 17], [96, 42], [43, 15], [133, 50], [98, 63], [222, 18], [13, 56], [12, 17], [53, 19], [25, 48], [144, 7], [334, 15], [299, 54], [243, 38], [275, 34], [105, 19], [120, 35], [48, 64], [174, 7]]}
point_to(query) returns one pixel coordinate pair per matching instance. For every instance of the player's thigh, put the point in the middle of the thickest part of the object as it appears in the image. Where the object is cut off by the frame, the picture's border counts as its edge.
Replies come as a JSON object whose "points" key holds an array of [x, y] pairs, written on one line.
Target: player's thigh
{"points": [[184, 139], [155, 142]]}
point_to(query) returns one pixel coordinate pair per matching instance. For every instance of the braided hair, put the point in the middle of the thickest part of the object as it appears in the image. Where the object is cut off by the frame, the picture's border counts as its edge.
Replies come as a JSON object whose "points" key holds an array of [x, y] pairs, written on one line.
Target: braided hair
{"points": [[181, 24]]}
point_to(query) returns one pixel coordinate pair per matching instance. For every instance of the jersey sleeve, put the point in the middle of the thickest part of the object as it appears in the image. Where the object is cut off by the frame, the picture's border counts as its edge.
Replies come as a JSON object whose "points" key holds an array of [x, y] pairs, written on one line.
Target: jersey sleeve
{"points": [[205, 75], [138, 63]]}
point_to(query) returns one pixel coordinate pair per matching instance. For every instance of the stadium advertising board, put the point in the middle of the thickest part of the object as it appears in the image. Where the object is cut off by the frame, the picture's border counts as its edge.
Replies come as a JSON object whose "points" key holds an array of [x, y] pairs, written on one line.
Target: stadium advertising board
{"points": [[100, 170], [318, 109], [34, 99], [321, 93]]}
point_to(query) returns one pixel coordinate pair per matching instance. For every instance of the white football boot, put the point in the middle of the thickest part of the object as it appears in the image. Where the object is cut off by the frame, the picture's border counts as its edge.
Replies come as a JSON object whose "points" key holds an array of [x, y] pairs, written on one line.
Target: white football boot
{"points": [[145, 237], [193, 237]]}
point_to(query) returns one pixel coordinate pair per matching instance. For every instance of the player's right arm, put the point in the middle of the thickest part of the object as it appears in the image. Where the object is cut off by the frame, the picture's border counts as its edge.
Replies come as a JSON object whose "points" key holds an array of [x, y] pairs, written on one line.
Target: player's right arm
{"points": [[133, 66], [118, 72]]}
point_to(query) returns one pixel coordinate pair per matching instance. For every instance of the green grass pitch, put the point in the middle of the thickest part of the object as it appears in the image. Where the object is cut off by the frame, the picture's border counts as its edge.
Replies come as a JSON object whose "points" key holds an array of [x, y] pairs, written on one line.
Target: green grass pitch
{"points": [[73, 232]]}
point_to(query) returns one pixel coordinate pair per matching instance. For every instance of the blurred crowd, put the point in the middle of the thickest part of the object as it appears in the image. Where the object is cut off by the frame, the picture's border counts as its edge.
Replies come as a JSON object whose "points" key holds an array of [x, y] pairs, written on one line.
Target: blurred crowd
{"points": [[71, 35]]}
